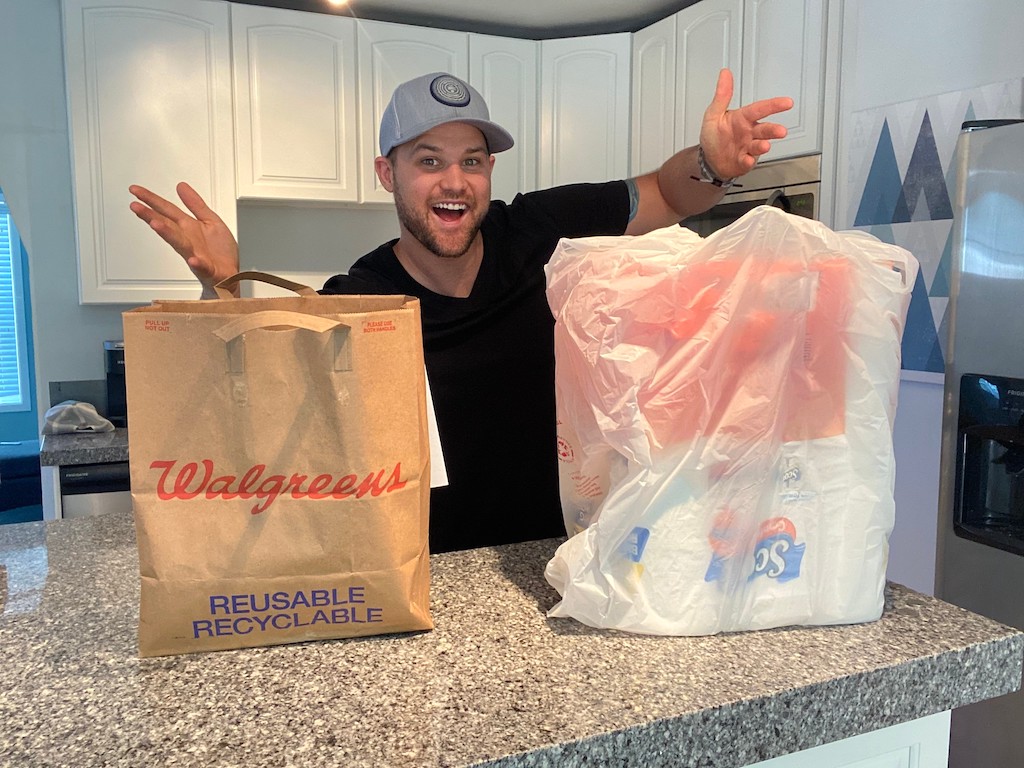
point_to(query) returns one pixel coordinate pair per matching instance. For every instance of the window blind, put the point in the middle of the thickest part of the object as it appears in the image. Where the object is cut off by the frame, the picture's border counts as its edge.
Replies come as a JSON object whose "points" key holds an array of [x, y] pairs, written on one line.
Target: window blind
{"points": [[13, 359]]}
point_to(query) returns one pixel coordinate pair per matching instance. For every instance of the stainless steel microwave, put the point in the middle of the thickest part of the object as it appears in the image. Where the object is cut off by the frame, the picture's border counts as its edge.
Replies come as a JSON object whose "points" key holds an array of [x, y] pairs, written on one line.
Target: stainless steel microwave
{"points": [[793, 184]]}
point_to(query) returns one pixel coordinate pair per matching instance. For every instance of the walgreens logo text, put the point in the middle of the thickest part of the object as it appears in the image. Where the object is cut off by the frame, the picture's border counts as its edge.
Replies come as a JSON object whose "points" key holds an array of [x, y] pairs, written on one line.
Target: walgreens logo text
{"points": [[194, 479]]}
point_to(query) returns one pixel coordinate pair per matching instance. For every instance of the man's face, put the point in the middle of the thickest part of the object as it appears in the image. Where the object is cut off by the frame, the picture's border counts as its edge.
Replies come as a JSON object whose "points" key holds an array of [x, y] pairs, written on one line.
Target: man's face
{"points": [[441, 182]]}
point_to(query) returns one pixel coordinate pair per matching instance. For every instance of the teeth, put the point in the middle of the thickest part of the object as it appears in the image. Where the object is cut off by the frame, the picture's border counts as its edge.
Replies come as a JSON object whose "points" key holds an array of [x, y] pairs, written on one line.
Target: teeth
{"points": [[452, 206]]}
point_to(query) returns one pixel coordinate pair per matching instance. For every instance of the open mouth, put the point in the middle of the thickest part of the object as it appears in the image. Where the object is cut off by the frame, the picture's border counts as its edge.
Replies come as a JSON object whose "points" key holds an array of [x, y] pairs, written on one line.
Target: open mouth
{"points": [[450, 212]]}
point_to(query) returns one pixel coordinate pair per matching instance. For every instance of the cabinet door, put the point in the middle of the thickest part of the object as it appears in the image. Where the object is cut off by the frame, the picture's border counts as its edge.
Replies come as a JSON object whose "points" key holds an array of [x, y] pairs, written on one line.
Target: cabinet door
{"points": [[390, 54], [708, 39], [504, 70], [149, 102], [783, 55], [584, 109], [654, 96], [922, 743], [295, 104]]}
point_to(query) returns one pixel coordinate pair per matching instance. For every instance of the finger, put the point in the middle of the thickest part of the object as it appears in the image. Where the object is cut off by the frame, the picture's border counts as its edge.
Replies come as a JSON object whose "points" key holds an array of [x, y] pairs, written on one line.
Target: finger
{"points": [[749, 159], [166, 228], [151, 217], [195, 203], [769, 131], [155, 202], [758, 148], [200, 267], [758, 110], [723, 95], [144, 212], [168, 231]]}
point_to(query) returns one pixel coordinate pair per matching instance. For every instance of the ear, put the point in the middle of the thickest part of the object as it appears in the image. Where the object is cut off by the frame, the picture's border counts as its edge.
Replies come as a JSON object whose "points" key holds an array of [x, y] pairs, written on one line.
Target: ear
{"points": [[385, 172]]}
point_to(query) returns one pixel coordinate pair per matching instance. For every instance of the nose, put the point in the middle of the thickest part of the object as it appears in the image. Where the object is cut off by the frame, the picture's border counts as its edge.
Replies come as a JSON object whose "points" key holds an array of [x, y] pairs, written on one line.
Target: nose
{"points": [[453, 178]]}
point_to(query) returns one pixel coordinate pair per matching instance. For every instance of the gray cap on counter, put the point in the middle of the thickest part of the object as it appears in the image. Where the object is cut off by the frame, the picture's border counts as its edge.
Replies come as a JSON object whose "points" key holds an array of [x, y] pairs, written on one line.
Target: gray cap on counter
{"points": [[74, 416]]}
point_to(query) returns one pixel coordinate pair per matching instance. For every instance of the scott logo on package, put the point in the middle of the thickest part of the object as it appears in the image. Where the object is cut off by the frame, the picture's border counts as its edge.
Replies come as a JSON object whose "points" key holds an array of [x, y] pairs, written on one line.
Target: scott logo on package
{"points": [[776, 553], [194, 479]]}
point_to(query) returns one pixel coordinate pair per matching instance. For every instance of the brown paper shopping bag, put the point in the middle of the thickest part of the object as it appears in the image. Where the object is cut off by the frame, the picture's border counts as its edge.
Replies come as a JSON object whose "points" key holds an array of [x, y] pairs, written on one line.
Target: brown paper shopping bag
{"points": [[279, 468]]}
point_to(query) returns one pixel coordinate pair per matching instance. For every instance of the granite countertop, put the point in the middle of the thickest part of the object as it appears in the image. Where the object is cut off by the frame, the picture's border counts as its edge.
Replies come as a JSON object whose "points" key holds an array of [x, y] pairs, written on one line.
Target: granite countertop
{"points": [[84, 448], [496, 682]]}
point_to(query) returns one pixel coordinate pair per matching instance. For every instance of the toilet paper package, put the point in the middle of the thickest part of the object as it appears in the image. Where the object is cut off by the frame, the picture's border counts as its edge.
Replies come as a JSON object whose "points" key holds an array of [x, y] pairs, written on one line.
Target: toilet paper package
{"points": [[725, 412]]}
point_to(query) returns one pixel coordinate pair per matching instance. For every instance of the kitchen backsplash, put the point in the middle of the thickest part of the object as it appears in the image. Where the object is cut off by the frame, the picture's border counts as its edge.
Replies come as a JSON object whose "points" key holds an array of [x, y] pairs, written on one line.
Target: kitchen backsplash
{"points": [[296, 238]]}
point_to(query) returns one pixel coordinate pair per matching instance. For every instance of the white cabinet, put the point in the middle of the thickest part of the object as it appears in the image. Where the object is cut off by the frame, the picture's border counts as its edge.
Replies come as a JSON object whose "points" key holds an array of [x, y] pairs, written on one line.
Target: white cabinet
{"points": [[676, 62], [390, 54], [295, 105], [772, 47], [922, 743], [584, 120], [653, 115], [784, 55], [149, 102], [296, 114], [709, 38], [504, 70]]}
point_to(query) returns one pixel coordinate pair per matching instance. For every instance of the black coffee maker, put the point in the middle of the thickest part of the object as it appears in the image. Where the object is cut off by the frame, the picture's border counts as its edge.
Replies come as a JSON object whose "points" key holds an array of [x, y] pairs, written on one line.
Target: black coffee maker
{"points": [[117, 400]]}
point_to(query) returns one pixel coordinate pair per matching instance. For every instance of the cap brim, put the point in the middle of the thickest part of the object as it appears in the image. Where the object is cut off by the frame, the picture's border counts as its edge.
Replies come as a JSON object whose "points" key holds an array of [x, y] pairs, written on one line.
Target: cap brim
{"points": [[498, 139]]}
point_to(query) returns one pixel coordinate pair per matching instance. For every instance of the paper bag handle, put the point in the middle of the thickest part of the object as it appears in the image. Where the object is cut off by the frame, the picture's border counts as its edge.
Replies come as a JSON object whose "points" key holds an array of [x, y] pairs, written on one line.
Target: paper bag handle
{"points": [[232, 334], [226, 287], [272, 317]]}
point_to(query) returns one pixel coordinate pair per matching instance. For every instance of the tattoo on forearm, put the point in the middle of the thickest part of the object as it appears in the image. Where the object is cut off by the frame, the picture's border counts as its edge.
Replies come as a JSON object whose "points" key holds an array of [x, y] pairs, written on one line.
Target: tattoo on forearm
{"points": [[634, 198]]}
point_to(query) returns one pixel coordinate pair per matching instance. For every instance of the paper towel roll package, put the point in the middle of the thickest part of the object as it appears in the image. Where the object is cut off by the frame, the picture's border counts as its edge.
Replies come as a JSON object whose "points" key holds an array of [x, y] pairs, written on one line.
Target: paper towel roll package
{"points": [[725, 412]]}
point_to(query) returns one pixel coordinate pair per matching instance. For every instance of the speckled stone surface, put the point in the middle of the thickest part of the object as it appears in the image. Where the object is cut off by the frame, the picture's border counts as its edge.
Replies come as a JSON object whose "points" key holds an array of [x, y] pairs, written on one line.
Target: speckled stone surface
{"points": [[495, 683], [84, 448]]}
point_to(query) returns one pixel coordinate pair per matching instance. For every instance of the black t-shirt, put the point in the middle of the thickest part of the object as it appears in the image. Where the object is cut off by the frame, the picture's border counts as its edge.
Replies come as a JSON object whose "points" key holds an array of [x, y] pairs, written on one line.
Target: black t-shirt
{"points": [[490, 364]]}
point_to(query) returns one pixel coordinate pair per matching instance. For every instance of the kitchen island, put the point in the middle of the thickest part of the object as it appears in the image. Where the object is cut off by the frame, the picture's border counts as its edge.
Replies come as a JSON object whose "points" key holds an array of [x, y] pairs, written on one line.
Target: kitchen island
{"points": [[495, 683]]}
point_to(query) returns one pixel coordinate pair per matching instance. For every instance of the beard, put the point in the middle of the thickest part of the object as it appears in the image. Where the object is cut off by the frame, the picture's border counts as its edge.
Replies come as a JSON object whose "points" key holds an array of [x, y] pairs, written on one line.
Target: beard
{"points": [[445, 245]]}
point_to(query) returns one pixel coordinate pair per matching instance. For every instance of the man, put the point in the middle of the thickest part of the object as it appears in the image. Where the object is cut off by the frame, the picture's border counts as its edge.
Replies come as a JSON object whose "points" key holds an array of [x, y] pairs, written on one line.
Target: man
{"points": [[477, 267]]}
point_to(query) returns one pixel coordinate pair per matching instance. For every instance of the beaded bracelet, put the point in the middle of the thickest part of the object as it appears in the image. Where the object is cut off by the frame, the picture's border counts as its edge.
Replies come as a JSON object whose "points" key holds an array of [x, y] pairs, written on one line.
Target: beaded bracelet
{"points": [[708, 176]]}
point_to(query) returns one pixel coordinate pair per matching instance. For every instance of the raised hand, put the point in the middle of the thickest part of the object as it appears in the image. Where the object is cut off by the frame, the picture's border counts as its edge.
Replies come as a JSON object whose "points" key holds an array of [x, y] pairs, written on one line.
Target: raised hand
{"points": [[733, 139], [203, 239]]}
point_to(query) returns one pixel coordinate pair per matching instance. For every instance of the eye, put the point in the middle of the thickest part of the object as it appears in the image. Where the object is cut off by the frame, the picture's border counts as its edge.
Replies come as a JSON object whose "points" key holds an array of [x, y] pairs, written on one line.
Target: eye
{"points": [[430, 162]]}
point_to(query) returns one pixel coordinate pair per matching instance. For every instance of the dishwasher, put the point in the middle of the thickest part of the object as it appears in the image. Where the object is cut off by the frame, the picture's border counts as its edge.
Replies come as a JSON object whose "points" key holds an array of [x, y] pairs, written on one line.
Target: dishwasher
{"points": [[91, 489]]}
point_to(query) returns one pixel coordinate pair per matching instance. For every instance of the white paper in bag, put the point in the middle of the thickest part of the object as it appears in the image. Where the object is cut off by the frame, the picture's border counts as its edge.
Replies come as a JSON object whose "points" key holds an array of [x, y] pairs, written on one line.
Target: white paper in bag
{"points": [[725, 413]]}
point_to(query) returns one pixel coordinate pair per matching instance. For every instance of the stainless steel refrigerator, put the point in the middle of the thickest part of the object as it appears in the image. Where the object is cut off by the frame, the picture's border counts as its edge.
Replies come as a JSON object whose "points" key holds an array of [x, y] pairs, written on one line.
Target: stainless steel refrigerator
{"points": [[980, 550]]}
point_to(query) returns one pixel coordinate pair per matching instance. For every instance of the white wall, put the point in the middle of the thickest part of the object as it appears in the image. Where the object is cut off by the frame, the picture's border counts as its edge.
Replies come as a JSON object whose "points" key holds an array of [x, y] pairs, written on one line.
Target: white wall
{"points": [[895, 51], [304, 238], [35, 174], [916, 441]]}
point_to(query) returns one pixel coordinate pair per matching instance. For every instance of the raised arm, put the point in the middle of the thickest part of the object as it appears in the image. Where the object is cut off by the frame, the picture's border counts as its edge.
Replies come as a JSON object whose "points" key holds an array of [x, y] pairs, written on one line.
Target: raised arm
{"points": [[203, 240], [732, 140]]}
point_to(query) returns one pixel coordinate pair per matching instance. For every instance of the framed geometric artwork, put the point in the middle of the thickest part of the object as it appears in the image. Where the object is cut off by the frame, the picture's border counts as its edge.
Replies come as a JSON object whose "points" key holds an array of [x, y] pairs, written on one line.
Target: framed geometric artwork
{"points": [[900, 187]]}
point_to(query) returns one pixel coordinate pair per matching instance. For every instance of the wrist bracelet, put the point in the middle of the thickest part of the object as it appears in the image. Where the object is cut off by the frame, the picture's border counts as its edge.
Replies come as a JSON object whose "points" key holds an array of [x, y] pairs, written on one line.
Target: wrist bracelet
{"points": [[708, 176]]}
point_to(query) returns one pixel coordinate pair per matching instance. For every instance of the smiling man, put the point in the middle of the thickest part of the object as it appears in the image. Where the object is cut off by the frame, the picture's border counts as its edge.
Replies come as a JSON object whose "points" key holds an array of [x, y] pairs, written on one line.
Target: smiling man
{"points": [[441, 182], [477, 267]]}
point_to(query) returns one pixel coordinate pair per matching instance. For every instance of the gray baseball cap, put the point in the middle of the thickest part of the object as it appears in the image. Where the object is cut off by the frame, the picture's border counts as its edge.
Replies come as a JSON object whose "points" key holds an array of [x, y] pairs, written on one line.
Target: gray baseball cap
{"points": [[432, 100]]}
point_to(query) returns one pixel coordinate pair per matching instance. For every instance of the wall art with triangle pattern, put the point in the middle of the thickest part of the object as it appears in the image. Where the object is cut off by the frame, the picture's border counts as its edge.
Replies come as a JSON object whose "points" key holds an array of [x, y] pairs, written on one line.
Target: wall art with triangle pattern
{"points": [[901, 186]]}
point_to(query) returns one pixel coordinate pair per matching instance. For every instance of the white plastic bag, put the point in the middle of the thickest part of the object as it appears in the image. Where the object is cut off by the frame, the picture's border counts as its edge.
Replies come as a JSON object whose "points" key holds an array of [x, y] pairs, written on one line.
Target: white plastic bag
{"points": [[725, 416]]}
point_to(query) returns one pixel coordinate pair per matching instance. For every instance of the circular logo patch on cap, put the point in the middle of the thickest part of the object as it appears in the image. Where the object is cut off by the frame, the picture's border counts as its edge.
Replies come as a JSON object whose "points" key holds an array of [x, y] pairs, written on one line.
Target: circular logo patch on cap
{"points": [[450, 91]]}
